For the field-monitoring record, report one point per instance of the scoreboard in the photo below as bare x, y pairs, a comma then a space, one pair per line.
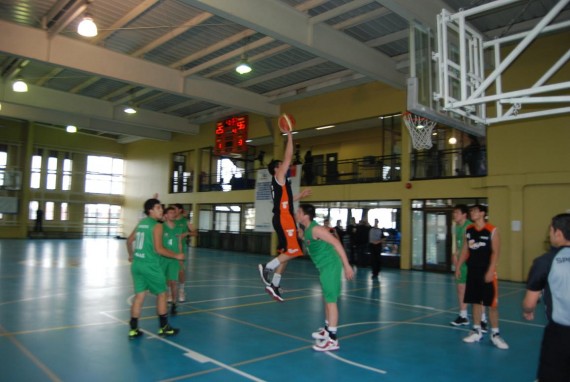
231, 134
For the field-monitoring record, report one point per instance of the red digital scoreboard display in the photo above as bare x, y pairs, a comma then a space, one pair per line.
231, 135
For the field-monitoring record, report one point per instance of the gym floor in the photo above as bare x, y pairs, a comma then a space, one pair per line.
64, 312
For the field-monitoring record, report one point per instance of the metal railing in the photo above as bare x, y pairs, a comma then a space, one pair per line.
369, 169
455, 163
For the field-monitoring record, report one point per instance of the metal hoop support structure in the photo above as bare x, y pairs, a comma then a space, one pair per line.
420, 129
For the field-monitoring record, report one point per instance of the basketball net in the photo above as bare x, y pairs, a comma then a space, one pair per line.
420, 129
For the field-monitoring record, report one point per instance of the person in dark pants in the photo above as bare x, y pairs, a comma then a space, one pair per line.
351, 232
39, 220
376, 241
550, 277
362, 230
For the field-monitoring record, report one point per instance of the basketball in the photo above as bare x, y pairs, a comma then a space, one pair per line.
286, 122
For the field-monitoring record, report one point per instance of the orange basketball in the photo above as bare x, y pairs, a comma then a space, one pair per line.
286, 122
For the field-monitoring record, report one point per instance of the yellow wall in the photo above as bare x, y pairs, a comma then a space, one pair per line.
29, 136
528, 179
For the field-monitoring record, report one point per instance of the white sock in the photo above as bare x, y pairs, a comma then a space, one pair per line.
495, 331
483, 317
273, 264
276, 279
180, 285
463, 313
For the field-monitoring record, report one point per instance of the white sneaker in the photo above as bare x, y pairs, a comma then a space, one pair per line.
327, 345
474, 336
181, 295
499, 342
320, 334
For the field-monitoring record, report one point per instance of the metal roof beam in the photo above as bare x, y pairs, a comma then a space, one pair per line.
284, 23
63, 51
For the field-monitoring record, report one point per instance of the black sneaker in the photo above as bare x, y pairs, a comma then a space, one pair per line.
484, 327
167, 331
274, 292
460, 321
173, 310
264, 273
135, 333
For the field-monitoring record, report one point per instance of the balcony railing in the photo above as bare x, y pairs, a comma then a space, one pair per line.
369, 169
456, 163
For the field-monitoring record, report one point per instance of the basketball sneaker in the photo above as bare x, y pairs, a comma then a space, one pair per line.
474, 336
274, 292
460, 321
320, 334
181, 295
134, 333
484, 327
327, 345
499, 342
264, 273
167, 331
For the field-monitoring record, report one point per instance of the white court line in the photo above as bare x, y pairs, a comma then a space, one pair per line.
380, 371
192, 354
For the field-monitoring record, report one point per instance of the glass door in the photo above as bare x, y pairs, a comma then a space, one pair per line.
432, 240
437, 241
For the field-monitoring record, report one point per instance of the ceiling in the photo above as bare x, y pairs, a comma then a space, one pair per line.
174, 60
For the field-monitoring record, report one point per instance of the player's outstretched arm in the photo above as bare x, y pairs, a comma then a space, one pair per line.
303, 194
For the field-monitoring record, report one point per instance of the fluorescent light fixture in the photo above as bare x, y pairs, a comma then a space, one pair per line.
452, 140
71, 129
87, 27
325, 127
293, 132
129, 110
248, 140
19, 86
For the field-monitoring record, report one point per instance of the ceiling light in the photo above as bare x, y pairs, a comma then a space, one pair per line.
20, 86
71, 129
87, 27
325, 127
452, 140
243, 66
129, 110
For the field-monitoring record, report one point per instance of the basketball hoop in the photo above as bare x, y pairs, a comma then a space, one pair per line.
420, 129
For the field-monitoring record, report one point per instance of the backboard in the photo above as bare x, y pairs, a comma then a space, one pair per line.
456, 72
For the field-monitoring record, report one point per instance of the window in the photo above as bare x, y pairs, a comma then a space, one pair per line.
104, 175
3, 163
66, 176
49, 210
102, 220
226, 170
64, 214
33, 209
36, 170
51, 180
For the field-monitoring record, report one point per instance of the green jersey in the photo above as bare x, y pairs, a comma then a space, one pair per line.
459, 235
321, 252
182, 227
144, 247
170, 237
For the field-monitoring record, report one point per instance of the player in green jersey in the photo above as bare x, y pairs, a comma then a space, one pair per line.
145, 248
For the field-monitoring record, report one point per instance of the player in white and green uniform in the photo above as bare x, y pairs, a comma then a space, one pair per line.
327, 253
172, 240
145, 269
185, 229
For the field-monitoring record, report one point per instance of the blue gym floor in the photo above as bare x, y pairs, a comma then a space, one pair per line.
64, 311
